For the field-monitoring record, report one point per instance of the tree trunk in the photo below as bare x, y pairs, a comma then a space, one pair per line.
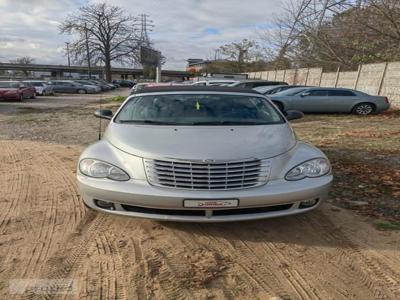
108, 70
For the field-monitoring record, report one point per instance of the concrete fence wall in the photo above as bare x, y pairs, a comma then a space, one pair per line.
375, 79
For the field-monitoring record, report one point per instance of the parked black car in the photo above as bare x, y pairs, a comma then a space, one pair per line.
124, 83
251, 84
273, 89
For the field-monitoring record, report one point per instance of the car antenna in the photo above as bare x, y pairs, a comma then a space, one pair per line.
101, 99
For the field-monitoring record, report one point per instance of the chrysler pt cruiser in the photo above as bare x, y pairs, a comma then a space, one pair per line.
201, 154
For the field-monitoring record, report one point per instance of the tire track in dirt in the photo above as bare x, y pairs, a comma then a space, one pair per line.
18, 187
377, 276
162, 268
41, 194
252, 272
76, 246
260, 272
141, 290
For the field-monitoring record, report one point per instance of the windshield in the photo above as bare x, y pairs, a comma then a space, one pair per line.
9, 84
263, 89
291, 92
199, 109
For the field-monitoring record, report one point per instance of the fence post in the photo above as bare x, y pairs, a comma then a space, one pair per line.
337, 76
382, 78
358, 76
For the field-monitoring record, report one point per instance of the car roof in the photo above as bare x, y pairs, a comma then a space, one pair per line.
257, 80
190, 88
328, 88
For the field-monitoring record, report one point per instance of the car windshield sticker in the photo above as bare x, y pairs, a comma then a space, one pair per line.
197, 105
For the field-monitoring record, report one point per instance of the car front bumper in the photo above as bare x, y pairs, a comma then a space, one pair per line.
138, 198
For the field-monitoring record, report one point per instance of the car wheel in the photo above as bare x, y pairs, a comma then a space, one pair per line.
81, 91
364, 109
278, 105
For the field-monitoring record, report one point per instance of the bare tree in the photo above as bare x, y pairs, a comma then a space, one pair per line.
25, 60
104, 34
240, 52
300, 32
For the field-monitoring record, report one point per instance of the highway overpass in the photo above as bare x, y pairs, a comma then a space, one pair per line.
60, 71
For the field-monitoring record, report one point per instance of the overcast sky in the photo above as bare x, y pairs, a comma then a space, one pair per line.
184, 28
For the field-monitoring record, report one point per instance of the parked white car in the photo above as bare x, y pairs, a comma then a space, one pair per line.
203, 154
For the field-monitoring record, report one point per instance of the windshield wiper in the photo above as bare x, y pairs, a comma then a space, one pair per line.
226, 123
148, 122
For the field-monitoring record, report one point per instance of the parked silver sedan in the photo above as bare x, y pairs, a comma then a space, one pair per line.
330, 100
202, 154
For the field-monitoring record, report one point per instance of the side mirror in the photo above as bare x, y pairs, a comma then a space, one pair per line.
293, 115
103, 114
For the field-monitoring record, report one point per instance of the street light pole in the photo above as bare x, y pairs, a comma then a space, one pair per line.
88, 53
69, 60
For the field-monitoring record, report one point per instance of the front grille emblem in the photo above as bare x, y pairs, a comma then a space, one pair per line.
208, 161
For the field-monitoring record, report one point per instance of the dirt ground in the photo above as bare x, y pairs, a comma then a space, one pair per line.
330, 253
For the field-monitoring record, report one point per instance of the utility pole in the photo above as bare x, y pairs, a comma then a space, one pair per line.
69, 60
88, 53
146, 26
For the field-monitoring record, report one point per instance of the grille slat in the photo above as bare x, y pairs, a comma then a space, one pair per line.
207, 176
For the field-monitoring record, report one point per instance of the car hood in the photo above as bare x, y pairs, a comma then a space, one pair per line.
201, 142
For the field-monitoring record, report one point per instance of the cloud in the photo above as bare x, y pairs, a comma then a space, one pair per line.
183, 28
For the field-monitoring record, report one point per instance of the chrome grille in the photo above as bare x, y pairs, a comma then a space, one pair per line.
195, 175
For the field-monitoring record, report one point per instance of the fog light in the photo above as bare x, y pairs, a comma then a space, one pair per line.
308, 203
105, 204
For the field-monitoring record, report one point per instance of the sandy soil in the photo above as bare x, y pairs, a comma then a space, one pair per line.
47, 233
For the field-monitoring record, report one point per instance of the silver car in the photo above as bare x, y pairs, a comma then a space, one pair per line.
330, 100
202, 154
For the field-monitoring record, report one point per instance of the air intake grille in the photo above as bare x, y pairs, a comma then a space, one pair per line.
194, 175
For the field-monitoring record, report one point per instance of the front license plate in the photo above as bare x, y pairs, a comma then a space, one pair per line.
211, 203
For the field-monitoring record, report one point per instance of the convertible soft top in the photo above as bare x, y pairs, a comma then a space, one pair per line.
189, 88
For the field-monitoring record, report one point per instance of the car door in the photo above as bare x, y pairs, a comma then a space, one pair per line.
69, 87
341, 100
313, 100
57, 87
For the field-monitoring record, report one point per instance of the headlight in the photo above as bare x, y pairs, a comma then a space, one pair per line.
311, 168
100, 169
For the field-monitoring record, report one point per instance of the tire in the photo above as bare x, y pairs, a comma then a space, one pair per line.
278, 105
363, 109
80, 91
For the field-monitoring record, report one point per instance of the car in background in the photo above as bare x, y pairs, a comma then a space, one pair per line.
142, 85
41, 87
70, 86
28, 91
201, 154
124, 83
10, 91
105, 83
138, 87
251, 84
214, 82
329, 100
272, 89
90, 84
